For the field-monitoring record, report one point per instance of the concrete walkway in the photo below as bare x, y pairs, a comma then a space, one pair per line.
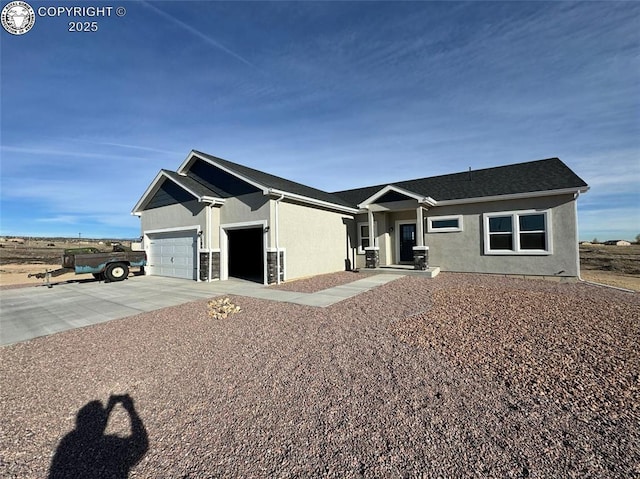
27, 313
322, 299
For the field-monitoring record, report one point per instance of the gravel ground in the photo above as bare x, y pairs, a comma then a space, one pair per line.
461, 376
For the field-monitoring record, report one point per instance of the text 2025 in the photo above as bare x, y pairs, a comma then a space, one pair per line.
83, 26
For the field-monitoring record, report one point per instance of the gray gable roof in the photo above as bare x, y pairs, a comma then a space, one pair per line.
529, 177
521, 178
271, 181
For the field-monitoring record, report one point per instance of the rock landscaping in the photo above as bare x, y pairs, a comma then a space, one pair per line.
460, 376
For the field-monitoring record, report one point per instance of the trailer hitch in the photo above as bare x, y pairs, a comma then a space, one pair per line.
47, 275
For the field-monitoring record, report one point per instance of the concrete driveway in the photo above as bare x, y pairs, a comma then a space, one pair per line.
27, 313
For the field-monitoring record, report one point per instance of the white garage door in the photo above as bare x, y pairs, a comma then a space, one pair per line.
173, 254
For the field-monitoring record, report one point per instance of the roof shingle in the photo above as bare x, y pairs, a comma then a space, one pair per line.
276, 182
529, 177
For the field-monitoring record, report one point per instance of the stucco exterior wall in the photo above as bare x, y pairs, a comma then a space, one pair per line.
245, 208
319, 241
315, 240
464, 251
384, 238
214, 227
174, 216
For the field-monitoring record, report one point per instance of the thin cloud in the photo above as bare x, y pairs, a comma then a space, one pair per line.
199, 34
64, 219
66, 153
125, 145
620, 175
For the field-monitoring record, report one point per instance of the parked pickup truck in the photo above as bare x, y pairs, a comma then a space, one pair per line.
112, 266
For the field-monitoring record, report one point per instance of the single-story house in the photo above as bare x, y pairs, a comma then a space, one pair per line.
213, 219
617, 243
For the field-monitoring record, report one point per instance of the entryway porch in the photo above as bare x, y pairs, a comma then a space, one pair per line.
408, 269
392, 235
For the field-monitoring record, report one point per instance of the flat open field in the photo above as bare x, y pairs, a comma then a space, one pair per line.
47, 250
613, 265
17, 260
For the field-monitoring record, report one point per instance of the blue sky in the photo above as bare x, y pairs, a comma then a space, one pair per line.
335, 95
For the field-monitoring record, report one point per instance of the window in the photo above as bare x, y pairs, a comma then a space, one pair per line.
501, 233
363, 236
517, 232
444, 224
532, 232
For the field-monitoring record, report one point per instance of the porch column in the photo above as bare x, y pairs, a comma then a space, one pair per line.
420, 251
372, 236
372, 253
419, 227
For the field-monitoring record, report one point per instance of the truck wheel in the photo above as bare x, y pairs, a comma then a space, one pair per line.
116, 271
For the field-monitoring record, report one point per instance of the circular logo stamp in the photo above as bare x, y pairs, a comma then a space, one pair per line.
18, 17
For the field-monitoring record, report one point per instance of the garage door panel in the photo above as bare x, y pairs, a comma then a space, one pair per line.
173, 254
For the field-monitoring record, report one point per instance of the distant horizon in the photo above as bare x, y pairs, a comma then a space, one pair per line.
71, 238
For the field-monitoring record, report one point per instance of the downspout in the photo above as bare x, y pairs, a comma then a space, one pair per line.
209, 242
278, 238
575, 212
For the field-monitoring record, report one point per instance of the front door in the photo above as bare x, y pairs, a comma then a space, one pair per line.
407, 242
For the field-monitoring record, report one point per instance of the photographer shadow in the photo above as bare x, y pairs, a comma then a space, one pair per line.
88, 452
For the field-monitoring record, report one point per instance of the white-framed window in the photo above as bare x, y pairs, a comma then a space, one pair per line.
444, 224
363, 236
518, 232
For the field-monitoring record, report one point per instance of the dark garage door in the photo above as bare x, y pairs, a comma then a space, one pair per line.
246, 255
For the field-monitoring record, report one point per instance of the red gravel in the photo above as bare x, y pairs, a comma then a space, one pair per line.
460, 376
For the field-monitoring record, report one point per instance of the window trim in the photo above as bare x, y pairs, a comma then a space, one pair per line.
515, 233
432, 229
360, 237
